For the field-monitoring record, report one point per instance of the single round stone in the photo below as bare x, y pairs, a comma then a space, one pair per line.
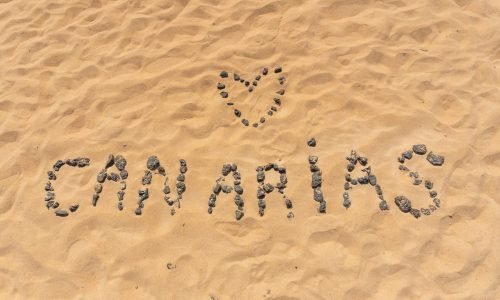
221, 86
435, 159
311, 142
153, 163
245, 122
419, 149
237, 113
403, 203
223, 74
224, 94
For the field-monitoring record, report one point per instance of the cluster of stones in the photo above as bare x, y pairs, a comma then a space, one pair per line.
370, 178
120, 163
50, 196
316, 183
221, 186
404, 203
277, 100
266, 188
153, 165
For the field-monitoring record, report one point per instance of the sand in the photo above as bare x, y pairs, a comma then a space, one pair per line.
138, 78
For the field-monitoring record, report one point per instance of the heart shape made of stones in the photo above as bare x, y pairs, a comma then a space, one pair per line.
250, 86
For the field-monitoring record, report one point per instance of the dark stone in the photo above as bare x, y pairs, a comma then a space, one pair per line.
255, 125
247, 83
74, 208
313, 159
425, 211
183, 169
120, 206
238, 189
114, 177
373, 179
420, 149
52, 175
236, 77
48, 186
245, 122
50, 196
347, 201
311, 142
277, 100
211, 200
347, 186
120, 162
403, 168
261, 176
153, 163
223, 74
435, 159
429, 184
82, 162
403, 203
224, 94
110, 162
350, 167
255, 82
260, 193
318, 195
238, 214
221, 86
278, 70
281, 80
61, 213
383, 205
181, 177
265, 71
401, 159
250, 89
322, 207
138, 211
55, 205
148, 176
417, 181
407, 154
437, 202
49, 204
270, 113
123, 174
290, 215
433, 194
98, 188
101, 176
281, 92
268, 188
166, 190
57, 166
226, 169
210, 210
354, 181
363, 180
262, 120
120, 195
181, 187
227, 189
95, 198
274, 108
415, 213
237, 113
288, 203
378, 189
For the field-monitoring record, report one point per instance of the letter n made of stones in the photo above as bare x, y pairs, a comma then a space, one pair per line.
154, 167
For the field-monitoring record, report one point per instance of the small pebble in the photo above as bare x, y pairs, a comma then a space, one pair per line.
420, 149
435, 159
224, 94
278, 70
311, 142
223, 74
61, 213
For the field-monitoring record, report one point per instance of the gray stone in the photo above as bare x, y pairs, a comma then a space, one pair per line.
415, 213
221, 86
181, 187
227, 189
268, 188
101, 176
110, 162
245, 122
98, 188
74, 208
419, 149
383, 205
425, 211
318, 195
429, 185
123, 174
403, 203
322, 207
408, 154
166, 189
433, 194
181, 177
347, 186
224, 94
57, 166
350, 167
120, 195
261, 176
437, 202
238, 214
223, 74
435, 159
61, 213
403, 168
226, 169
120, 206
114, 177
260, 193
120, 162
236, 77
153, 163
138, 211
238, 189
313, 159
55, 205
316, 180
148, 176
288, 203
311, 142
95, 198
363, 160
52, 175
372, 179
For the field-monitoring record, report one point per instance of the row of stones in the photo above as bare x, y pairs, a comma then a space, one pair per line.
316, 182
120, 163
370, 178
50, 196
404, 203
266, 188
153, 165
221, 186
277, 100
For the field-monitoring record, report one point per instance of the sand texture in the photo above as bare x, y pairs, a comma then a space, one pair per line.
138, 78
